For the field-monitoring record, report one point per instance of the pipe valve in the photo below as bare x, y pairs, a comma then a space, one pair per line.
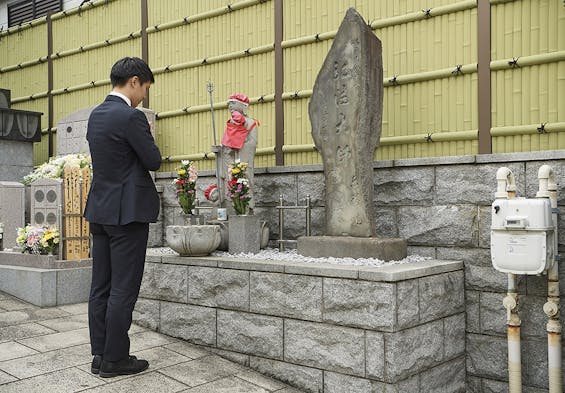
550, 309
509, 302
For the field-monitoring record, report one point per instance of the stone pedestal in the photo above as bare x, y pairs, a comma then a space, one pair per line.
392, 249
244, 234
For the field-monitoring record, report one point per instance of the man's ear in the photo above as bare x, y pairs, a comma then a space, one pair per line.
133, 80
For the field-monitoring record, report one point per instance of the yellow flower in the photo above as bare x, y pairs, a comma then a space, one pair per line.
235, 171
181, 172
48, 236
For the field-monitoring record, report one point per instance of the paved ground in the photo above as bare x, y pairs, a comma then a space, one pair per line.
46, 350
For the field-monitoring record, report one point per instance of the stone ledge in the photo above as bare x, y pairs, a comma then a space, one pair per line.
41, 261
407, 271
387, 273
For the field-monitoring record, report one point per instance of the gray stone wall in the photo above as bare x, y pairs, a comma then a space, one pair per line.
441, 206
320, 328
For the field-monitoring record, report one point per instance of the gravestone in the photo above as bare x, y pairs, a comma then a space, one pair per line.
346, 114
12, 208
18, 130
71, 131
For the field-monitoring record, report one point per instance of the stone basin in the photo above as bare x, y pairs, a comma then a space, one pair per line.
193, 240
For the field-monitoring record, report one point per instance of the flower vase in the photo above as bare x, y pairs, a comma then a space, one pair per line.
193, 240
244, 234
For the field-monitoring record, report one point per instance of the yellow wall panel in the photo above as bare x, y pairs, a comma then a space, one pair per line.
111, 20
25, 82
527, 27
94, 65
65, 104
29, 44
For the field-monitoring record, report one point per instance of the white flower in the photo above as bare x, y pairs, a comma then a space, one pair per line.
185, 162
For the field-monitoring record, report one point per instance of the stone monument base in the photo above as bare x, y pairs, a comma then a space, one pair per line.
386, 249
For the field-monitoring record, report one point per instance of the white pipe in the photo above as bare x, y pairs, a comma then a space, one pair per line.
547, 182
513, 323
506, 189
506, 183
548, 189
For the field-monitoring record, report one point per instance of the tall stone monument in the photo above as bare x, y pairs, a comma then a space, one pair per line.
346, 114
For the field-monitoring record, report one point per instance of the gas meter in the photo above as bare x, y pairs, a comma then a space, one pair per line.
522, 233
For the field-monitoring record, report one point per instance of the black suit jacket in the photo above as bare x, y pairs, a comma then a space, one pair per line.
123, 152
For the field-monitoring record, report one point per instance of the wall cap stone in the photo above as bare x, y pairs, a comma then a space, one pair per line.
388, 273
545, 155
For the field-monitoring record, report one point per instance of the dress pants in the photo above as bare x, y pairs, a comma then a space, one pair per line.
118, 259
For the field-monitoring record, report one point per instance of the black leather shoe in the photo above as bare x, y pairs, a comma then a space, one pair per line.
128, 366
95, 366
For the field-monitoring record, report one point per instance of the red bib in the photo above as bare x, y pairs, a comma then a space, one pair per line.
234, 135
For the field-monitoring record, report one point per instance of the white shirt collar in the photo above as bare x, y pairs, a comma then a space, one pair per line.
123, 97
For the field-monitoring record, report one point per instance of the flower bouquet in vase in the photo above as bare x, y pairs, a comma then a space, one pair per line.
185, 186
38, 240
238, 187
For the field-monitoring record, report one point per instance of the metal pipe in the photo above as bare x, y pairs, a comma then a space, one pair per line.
548, 189
506, 189
513, 322
308, 215
281, 223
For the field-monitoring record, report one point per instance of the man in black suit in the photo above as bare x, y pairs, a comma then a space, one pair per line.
121, 204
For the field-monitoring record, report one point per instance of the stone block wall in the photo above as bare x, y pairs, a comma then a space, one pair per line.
442, 207
320, 328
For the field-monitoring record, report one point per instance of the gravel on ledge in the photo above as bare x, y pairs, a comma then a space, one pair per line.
274, 254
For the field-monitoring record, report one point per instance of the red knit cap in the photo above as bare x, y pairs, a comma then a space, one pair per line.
241, 98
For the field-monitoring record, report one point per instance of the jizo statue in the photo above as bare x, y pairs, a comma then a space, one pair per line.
239, 140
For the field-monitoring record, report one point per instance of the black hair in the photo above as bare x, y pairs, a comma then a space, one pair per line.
129, 67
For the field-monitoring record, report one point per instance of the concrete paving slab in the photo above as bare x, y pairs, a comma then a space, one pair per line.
228, 385
65, 366
201, 371
64, 381
5, 378
75, 309
4, 296
260, 380
16, 304
65, 324
136, 329
148, 339
12, 350
144, 383
43, 363
25, 330
189, 350
30, 315
51, 342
